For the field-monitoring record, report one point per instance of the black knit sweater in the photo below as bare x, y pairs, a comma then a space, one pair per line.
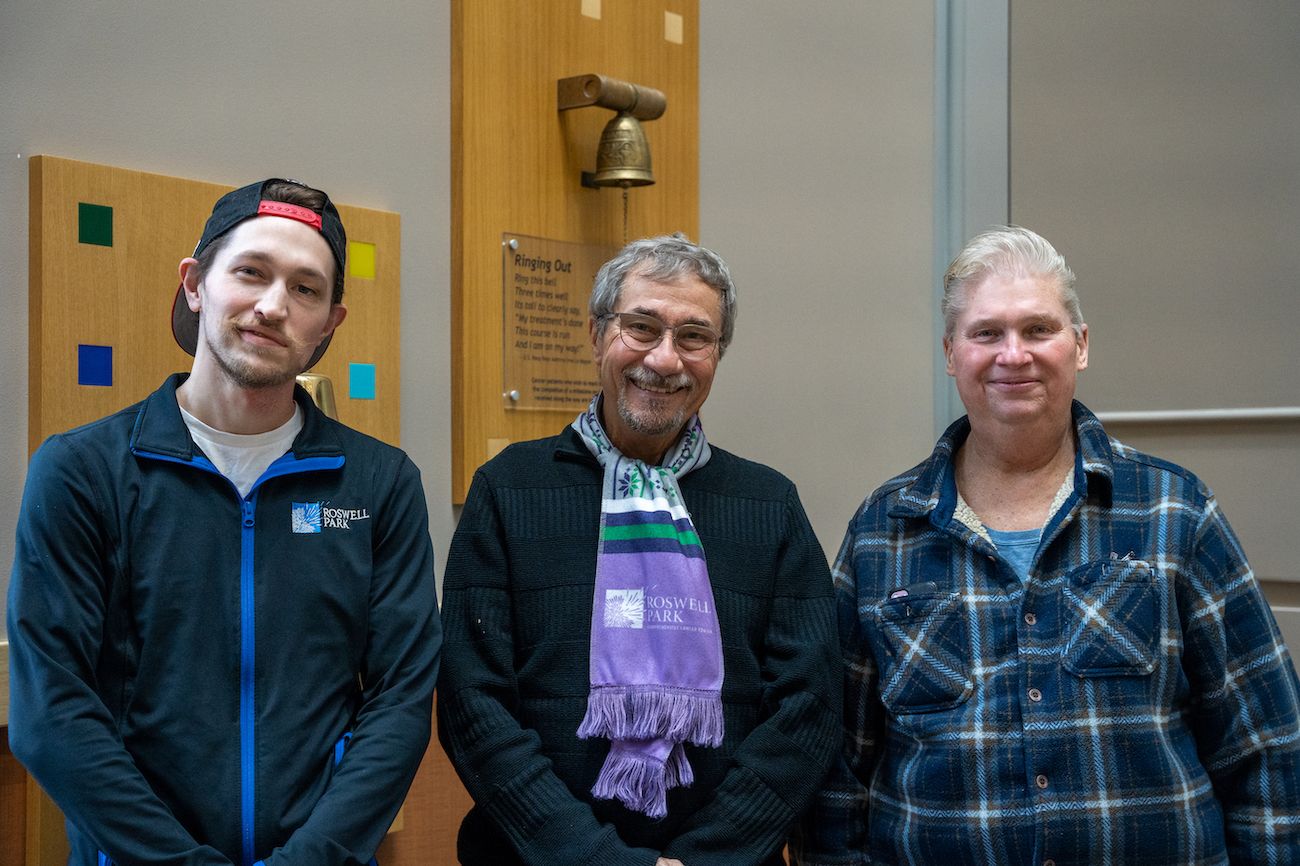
517, 625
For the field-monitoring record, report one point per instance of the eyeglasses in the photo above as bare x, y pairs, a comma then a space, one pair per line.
641, 333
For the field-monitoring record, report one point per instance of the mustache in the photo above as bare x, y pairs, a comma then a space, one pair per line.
650, 379
276, 332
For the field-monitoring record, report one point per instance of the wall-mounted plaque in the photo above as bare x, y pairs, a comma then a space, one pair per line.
545, 285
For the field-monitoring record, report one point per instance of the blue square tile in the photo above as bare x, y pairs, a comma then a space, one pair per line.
94, 365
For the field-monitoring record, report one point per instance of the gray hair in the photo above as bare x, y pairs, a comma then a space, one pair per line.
1007, 251
666, 258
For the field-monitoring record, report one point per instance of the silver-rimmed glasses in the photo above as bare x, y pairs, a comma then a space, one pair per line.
641, 333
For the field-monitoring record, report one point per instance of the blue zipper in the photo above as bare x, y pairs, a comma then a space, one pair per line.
247, 658
285, 465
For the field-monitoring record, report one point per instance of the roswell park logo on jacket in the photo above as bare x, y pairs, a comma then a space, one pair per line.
311, 517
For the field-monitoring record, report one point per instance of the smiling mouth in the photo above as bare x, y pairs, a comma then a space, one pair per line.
646, 381
651, 389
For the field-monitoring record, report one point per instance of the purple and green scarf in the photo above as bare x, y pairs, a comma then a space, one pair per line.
656, 651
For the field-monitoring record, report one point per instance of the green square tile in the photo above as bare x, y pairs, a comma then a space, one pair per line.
95, 224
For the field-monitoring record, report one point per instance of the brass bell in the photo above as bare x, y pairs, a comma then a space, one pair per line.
321, 390
623, 156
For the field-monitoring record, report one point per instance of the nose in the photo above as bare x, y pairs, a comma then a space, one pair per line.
663, 359
273, 305
1013, 352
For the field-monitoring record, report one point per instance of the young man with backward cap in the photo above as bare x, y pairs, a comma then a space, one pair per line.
223, 627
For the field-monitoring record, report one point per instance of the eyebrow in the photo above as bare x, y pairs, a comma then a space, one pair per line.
1031, 319
645, 311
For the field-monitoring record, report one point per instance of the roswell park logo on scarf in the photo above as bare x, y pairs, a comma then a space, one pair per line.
632, 608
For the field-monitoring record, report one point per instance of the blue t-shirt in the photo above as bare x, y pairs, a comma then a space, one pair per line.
1017, 547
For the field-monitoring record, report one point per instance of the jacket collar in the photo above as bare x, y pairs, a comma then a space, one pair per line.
933, 487
160, 429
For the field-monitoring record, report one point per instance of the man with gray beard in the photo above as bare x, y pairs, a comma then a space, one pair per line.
640, 657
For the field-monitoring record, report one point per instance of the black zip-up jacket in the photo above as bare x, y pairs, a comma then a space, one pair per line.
183, 662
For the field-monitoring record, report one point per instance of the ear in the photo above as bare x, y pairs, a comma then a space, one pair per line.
1082, 342
189, 274
338, 312
594, 334
947, 355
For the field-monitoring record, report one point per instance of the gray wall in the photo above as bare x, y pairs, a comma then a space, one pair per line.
815, 184
1158, 144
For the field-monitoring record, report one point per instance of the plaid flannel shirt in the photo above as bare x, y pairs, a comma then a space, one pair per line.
1131, 702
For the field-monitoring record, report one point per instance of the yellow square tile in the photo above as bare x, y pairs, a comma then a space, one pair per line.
361, 260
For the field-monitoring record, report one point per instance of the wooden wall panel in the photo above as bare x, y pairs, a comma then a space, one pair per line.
516, 165
121, 295
13, 805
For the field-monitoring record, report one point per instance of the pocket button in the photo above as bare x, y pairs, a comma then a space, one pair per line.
1035, 695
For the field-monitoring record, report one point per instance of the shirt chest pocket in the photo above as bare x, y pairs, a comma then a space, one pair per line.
923, 652
1110, 617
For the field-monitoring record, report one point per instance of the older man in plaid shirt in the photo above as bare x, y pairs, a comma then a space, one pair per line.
1056, 652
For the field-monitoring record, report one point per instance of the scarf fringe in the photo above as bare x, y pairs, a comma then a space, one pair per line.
678, 769
653, 712
640, 782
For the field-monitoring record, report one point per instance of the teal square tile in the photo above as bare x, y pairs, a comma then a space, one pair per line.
95, 224
361, 381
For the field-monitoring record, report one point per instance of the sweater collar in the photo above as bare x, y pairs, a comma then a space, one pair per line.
569, 446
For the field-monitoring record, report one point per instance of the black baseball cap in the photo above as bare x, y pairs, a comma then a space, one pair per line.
231, 210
